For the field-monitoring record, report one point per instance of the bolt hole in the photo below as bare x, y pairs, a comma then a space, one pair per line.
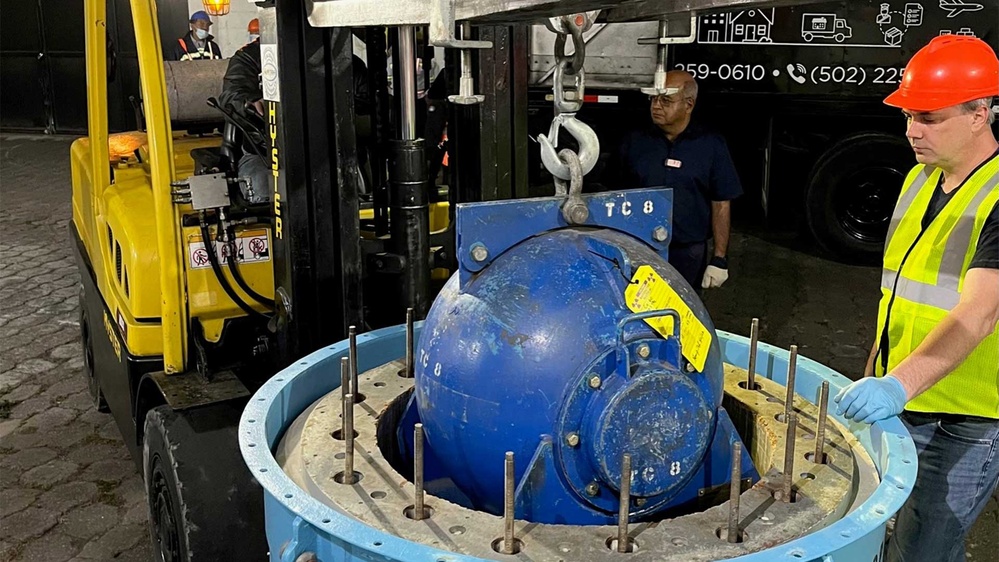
326, 520
745, 384
339, 477
377, 543
612, 545
808, 436
340, 456
457, 530
379, 384
251, 421
722, 533
565, 548
498, 545
378, 495
767, 518
779, 495
797, 553
410, 512
279, 380
403, 374
807, 476
679, 542
879, 511
773, 399
288, 496
810, 457
899, 486
845, 534
781, 418
359, 397
251, 444
338, 434
906, 461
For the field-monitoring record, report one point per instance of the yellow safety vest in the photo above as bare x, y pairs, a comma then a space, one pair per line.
921, 282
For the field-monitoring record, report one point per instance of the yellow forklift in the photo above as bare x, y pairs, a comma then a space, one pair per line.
172, 341
178, 317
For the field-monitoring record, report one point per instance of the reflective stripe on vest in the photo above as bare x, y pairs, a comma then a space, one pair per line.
922, 279
207, 53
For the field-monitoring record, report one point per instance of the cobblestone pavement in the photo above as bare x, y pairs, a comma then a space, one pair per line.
68, 489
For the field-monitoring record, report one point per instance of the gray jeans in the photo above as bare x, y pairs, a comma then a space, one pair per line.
958, 471
261, 181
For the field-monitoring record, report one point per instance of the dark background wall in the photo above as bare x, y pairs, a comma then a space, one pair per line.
43, 73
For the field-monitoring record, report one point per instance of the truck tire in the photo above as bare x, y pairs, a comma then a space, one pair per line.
203, 503
89, 370
852, 192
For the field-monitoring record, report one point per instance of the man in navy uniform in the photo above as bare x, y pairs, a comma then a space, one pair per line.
673, 152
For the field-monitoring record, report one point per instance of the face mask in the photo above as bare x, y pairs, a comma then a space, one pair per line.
200, 33
253, 37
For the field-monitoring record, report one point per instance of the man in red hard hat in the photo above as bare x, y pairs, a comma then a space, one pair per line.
935, 360
253, 30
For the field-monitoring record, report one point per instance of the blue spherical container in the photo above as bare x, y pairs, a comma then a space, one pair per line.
534, 345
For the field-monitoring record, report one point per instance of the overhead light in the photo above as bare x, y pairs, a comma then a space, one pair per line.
216, 7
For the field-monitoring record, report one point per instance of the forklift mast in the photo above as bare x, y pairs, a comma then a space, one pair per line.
310, 115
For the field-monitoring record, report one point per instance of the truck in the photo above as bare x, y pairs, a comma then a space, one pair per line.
824, 26
816, 149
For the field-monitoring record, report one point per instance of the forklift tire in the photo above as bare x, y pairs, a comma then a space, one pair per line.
86, 339
852, 193
203, 503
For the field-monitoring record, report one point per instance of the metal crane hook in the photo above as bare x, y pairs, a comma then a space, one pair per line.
589, 146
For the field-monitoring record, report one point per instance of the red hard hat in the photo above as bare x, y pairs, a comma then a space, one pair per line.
253, 26
951, 69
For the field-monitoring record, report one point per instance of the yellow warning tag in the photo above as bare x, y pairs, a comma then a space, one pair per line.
649, 291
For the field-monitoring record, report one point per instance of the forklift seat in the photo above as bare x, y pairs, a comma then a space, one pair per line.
208, 160
224, 158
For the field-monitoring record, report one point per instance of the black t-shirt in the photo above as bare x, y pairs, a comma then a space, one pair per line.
987, 252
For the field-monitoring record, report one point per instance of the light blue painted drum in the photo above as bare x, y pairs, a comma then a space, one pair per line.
299, 523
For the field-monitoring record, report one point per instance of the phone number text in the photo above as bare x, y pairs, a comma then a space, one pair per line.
824, 74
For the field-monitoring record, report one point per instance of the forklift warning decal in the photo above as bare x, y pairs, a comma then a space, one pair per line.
649, 291
251, 247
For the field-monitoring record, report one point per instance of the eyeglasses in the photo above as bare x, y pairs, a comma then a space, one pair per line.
664, 100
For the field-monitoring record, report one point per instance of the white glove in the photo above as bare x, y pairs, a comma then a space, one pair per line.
715, 275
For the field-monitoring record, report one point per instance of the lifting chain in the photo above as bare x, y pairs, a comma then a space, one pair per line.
568, 101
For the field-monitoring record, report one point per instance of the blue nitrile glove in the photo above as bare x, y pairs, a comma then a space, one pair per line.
872, 399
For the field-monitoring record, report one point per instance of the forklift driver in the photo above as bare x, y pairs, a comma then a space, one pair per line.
243, 95
242, 100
